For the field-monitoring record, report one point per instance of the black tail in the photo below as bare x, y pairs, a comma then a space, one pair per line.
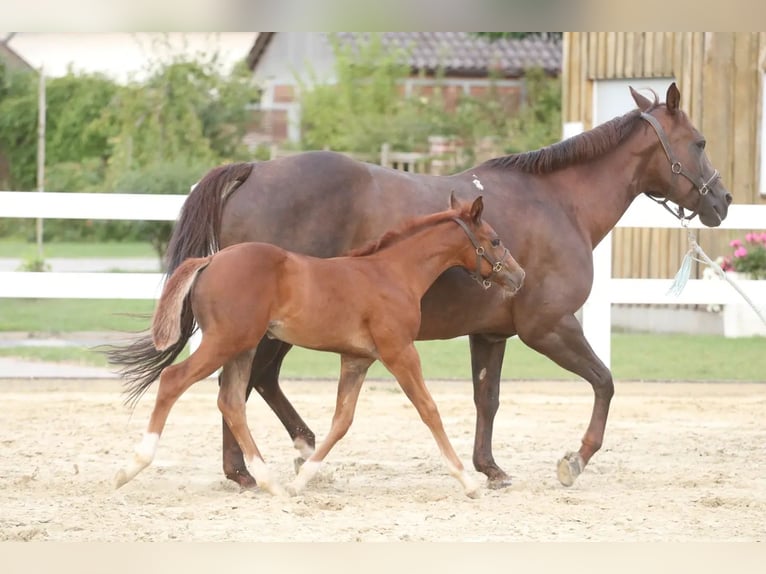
195, 234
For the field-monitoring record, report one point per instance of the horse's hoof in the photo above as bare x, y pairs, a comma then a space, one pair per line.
569, 468
120, 479
291, 490
298, 463
473, 493
499, 482
243, 478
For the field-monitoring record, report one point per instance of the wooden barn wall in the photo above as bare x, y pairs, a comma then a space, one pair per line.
719, 76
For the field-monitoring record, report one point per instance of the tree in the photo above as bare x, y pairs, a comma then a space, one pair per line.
156, 136
365, 107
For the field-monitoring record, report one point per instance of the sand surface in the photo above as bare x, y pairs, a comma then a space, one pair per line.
681, 462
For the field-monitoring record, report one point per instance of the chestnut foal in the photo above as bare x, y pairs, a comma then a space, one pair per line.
364, 306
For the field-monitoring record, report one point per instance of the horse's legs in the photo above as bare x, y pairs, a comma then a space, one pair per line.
174, 380
264, 377
352, 373
566, 345
405, 366
231, 402
486, 364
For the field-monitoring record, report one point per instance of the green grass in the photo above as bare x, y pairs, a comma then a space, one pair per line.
68, 315
23, 250
634, 357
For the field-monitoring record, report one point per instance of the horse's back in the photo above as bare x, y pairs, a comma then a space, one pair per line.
324, 203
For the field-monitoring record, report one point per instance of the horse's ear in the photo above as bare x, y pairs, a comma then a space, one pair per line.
642, 102
453, 202
476, 210
673, 98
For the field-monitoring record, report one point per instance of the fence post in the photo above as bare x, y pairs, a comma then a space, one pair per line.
384, 151
597, 310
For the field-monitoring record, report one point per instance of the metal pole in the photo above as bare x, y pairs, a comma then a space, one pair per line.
40, 157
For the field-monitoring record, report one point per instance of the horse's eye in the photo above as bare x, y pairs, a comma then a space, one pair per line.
495, 242
701, 144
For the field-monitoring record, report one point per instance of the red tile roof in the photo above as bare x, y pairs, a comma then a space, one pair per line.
458, 53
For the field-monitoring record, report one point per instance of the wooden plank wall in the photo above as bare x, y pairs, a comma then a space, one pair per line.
719, 75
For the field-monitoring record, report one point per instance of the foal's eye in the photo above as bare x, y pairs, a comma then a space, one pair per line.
495, 242
701, 144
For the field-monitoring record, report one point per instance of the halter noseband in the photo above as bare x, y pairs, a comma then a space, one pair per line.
497, 265
677, 168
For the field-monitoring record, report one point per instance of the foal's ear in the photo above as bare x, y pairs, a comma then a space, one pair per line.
453, 202
673, 98
476, 210
642, 102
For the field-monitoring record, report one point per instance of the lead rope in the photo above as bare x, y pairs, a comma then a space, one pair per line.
695, 253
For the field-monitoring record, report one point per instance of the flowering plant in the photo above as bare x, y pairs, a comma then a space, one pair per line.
748, 257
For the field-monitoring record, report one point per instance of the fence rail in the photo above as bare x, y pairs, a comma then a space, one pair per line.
596, 312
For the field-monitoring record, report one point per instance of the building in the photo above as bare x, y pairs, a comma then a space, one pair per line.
721, 79
466, 61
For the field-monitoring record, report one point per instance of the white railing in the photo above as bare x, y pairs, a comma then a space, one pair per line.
596, 312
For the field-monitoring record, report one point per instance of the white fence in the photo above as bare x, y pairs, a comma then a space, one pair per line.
596, 312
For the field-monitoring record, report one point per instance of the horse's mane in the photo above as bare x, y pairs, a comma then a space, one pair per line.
577, 149
406, 229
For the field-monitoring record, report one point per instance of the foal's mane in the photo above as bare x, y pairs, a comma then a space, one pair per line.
407, 228
577, 149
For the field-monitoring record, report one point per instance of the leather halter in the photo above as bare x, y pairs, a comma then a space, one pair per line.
677, 168
497, 265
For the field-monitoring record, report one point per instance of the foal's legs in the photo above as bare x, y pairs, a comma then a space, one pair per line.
231, 402
405, 366
352, 373
174, 381
264, 377
567, 346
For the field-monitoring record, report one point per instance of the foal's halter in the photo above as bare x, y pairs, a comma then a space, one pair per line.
497, 265
677, 168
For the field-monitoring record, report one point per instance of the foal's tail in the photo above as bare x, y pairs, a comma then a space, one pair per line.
196, 234
166, 323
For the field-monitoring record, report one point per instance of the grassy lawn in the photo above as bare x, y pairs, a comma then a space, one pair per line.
634, 357
23, 250
68, 315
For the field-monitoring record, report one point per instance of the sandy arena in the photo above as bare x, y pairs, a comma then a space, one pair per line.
681, 462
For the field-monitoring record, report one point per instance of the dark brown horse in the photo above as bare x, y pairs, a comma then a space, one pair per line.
366, 307
551, 207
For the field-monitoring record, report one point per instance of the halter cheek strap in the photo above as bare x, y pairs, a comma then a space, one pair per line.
481, 253
677, 168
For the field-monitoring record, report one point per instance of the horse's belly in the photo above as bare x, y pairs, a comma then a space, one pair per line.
324, 336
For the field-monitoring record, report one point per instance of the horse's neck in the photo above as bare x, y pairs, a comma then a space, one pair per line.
425, 255
601, 190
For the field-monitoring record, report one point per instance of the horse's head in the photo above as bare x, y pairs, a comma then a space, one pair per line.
486, 255
682, 172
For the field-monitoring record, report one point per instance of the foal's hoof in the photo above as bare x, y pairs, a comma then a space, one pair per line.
569, 468
473, 493
120, 479
298, 463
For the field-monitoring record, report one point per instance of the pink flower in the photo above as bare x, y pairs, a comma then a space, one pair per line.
740, 252
735, 243
726, 264
763, 238
752, 237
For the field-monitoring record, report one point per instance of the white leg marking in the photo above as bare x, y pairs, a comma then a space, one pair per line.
142, 457
482, 374
470, 486
305, 474
263, 477
302, 447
